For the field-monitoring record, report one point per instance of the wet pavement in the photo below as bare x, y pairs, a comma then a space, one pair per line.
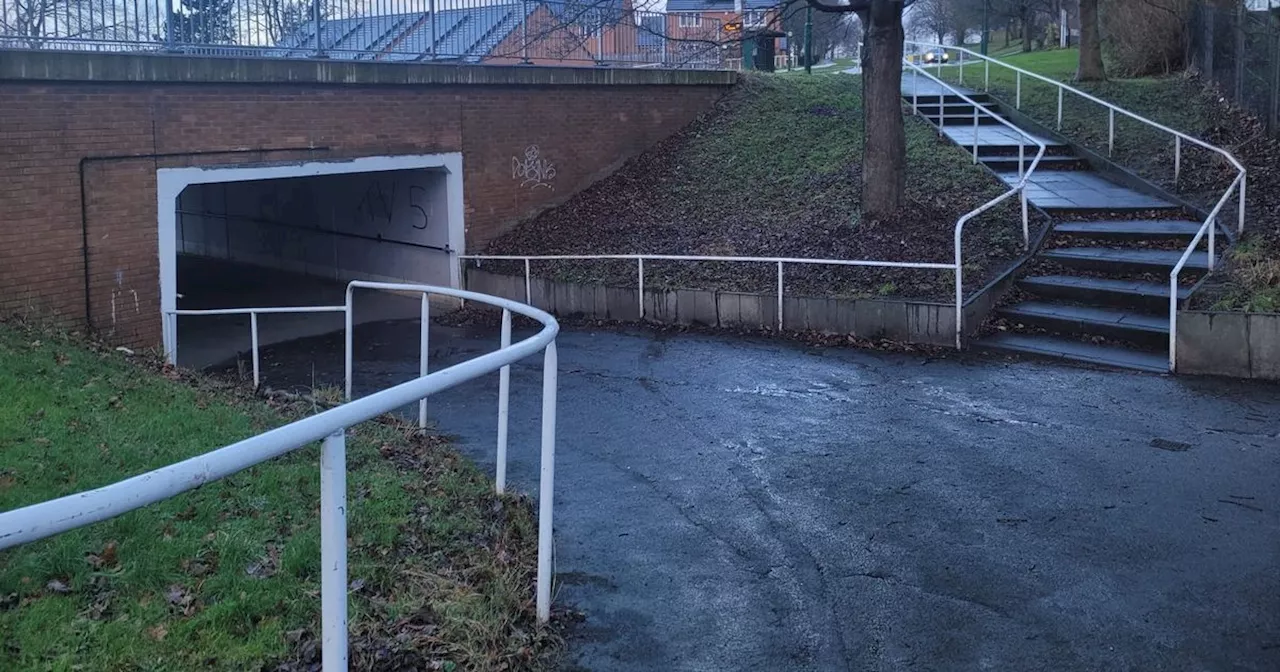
727, 504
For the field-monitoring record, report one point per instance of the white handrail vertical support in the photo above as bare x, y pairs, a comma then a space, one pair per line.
959, 288
333, 551
1059, 108
1026, 220
1173, 320
504, 406
1213, 227
546, 482
1022, 160
528, 293
1177, 160
986, 78
1111, 132
640, 285
962, 68
349, 339
975, 135
1018, 91
915, 93
423, 349
173, 338
1243, 180
253, 344
779, 296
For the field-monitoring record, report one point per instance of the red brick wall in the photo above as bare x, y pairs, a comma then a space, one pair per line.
49, 131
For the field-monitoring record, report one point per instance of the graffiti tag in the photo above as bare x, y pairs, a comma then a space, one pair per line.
533, 171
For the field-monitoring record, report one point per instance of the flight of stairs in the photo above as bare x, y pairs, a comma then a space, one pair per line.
1097, 291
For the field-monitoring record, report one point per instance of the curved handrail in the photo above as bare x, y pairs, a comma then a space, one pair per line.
48, 518
1020, 188
1238, 184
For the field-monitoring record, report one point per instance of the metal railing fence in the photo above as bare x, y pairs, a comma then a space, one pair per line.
30, 523
1210, 225
543, 32
956, 265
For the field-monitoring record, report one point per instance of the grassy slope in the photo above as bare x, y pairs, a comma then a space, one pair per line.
1180, 102
225, 577
776, 172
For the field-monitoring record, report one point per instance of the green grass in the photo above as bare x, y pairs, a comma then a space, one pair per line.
225, 577
776, 171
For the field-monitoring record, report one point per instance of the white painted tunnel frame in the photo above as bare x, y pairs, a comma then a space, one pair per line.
170, 182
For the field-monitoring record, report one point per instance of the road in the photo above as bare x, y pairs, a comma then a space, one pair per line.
726, 504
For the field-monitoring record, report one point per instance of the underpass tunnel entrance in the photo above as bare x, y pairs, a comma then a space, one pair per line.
295, 235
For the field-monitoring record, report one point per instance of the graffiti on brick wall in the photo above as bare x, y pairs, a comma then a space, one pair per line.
533, 170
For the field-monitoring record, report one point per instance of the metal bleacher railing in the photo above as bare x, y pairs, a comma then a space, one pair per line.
539, 32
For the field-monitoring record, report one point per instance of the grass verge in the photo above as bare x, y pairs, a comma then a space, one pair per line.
226, 576
776, 171
1251, 281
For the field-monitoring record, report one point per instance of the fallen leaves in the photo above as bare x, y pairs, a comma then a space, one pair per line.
106, 559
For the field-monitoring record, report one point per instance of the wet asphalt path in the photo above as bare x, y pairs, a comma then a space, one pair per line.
742, 505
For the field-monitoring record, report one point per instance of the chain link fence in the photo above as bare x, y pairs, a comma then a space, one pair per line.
1236, 45
539, 32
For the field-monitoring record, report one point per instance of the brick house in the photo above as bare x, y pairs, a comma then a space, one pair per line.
690, 21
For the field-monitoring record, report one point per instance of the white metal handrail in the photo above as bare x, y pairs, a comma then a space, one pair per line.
253, 314
1238, 185
38, 521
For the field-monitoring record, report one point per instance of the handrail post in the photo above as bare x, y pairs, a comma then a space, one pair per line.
253, 339
1173, 320
779, 297
424, 348
1111, 132
959, 287
1026, 221
1177, 160
975, 135
504, 406
546, 482
961, 68
1213, 226
333, 551
1018, 91
986, 78
349, 339
1022, 160
1243, 179
1060, 108
915, 92
640, 277
528, 293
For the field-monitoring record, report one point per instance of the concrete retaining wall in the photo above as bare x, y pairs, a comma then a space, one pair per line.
907, 321
1241, 345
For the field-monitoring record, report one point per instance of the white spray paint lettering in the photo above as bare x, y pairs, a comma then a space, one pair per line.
533, 171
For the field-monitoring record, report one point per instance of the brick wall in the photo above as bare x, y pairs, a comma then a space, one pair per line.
59, 137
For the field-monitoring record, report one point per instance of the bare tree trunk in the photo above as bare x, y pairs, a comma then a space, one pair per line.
1090, 68
1026, 29
884, 156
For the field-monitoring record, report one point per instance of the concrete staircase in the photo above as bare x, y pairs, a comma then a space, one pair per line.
1097, 291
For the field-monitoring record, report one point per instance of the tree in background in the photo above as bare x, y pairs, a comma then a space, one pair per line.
204, 22
829, 30
884, 154
279, 19
1090, 68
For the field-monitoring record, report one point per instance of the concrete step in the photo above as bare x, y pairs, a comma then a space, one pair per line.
1089, 353
1137, 327
1140, 229
952, 108
1121, 260
948, 99
1152, 296
1010, 163
986, 151
962, 119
